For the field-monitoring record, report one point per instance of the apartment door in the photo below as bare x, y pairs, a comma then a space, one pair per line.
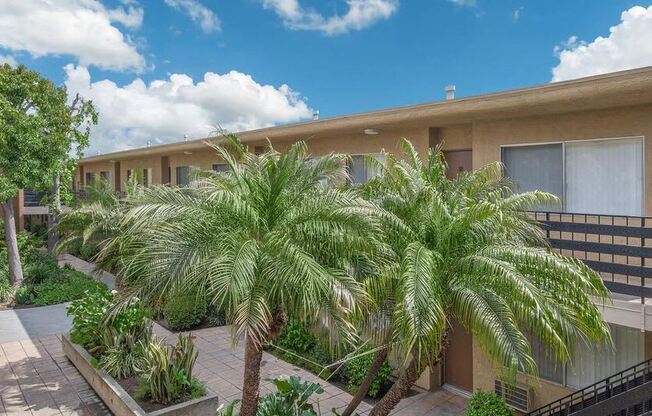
458, 161
458, 362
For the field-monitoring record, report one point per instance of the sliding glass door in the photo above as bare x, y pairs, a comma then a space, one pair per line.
593, 177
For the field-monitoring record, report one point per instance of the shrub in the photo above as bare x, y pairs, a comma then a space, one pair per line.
291, 399
296, 338
185, 311
125, 358
6, 289
216, 316
487, 404
168, 377
39, 267
356, 369
24, 296
71, 285
87, 313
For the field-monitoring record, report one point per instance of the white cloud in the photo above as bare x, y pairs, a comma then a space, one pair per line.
516, 14
469, 3
8, 59
360, 14
200, 14
165, 110
81, 28
629, 45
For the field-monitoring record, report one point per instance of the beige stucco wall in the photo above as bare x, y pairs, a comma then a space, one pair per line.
623, 122
96, 168
484, 376
138, 165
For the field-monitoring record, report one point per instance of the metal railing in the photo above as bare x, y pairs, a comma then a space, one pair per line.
626, 393
617, 247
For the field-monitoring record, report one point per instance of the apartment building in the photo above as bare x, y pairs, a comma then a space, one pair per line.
587, 141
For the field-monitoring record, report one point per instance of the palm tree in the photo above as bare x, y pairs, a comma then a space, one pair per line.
467, 251
266, 241
95, 218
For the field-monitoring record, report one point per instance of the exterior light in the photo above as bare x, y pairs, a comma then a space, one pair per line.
187, 152
371, 132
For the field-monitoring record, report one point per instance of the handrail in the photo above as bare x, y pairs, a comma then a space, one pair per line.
577, 400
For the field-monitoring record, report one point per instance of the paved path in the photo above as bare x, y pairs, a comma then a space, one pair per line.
33, 323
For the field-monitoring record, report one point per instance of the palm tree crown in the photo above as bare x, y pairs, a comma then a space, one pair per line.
467, 250
265, 240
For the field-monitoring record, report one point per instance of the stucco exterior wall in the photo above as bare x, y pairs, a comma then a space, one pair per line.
153, 163
484, 376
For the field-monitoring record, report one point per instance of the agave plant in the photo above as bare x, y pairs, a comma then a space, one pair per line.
265, 241
467, 250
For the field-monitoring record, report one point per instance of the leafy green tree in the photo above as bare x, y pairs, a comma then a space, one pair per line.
265, 241
466, 250
39, 129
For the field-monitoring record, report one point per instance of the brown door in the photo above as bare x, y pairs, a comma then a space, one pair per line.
458, 161
458, 363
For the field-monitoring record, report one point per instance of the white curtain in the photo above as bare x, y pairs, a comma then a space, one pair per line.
591, 364
605, 177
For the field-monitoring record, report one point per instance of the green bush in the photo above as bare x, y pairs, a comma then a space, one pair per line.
39, 267
356, 369
291, 399
6, 289
87, 315
185, 311
484, 403
70, 286
24, 296
216, 316
296, 338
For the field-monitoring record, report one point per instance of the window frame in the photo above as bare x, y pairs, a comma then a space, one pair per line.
364, 155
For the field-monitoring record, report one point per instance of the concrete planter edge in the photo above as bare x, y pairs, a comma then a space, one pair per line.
118, 400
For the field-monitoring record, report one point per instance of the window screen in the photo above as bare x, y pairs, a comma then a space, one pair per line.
221, 167
537, 167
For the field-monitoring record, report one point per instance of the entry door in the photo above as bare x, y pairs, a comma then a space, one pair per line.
458, 161
458, 363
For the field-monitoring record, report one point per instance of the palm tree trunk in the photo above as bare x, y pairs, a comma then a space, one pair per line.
379, 359
15, 269
253, 357
250, 385
397, 392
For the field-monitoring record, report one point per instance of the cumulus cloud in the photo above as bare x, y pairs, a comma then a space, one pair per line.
80, 28
200, 14
8, 59
165, 110
359, 15
629, 45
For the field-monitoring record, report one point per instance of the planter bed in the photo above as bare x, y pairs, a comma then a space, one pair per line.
119, 401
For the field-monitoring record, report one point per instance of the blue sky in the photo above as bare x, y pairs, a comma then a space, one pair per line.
386, 53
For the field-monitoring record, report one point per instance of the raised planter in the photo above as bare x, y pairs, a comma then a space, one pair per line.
118, 400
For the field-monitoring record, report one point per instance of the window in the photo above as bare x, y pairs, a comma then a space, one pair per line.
147, 177
129, 173
591, 364
259, 150
361, 170
106, 176
592, 177
183, 175
220, 167
90, 178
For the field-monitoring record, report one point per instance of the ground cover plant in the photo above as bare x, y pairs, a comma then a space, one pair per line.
44, 281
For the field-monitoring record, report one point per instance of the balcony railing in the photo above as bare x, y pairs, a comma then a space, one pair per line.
618, 247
